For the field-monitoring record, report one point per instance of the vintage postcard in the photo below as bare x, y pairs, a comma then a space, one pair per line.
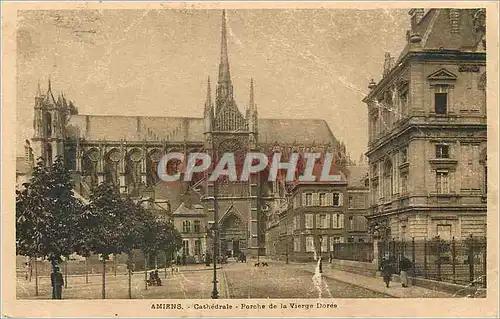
250, 159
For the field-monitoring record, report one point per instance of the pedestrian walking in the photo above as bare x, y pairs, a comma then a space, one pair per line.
183, 260
57, 281
387, 270
404, 266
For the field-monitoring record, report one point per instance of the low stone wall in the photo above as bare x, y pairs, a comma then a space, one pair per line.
356, 267
370, 270
454, 289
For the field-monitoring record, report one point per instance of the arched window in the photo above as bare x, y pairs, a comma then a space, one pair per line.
133, 169
388, 180
89, 167
111, 167
48, 124
152, 167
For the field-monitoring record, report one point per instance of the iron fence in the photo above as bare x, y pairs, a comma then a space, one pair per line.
456, 261
353, 251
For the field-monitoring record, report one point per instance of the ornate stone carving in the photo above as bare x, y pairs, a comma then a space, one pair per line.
469, 68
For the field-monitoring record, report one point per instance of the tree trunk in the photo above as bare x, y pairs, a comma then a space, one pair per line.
130, 275
66, 273
114, 263
36, 276
166, 264
146, 271
103, 277
31, 268
86, 271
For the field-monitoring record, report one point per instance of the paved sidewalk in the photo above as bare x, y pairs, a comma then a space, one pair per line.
376, 284
373, 283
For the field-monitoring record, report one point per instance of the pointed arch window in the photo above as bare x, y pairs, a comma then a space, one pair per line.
48, 124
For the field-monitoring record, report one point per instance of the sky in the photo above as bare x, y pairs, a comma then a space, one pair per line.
304, 63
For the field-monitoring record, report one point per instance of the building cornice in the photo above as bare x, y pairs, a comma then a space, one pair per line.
410, 124
422, 56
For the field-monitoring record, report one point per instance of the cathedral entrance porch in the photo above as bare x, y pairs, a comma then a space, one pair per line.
233, 236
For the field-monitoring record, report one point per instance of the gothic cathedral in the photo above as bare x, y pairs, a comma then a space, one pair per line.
126, 150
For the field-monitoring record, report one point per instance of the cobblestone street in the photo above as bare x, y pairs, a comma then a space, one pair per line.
236, 280
288, 281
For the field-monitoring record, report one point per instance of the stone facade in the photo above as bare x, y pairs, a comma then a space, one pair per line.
427, 126
357, 204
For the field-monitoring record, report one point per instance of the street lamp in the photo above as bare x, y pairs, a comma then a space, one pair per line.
320, 257
214, 231
287, 240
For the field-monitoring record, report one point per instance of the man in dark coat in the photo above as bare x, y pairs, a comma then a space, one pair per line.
404, 266
387, 270
57, 281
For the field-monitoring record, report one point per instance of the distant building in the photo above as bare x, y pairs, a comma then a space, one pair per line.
357, 203
191, 222
427, 130
319, 215
24, 166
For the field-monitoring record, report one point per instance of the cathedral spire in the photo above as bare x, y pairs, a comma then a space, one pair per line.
224, 87
208, 101
251, 103
252, 110
50, 96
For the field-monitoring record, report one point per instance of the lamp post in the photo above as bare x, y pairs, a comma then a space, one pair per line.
320, 257
215, 235
287, 251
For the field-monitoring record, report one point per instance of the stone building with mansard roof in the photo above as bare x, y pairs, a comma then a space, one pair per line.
427, 130
126, 150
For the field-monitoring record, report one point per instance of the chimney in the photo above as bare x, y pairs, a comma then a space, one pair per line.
416, 15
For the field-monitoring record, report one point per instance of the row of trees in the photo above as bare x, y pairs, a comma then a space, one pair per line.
52, 223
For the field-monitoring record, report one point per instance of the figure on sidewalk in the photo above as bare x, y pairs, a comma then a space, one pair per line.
387, 270
207, 259
183, 259
57, 281
404, 266
157, 278
178, 260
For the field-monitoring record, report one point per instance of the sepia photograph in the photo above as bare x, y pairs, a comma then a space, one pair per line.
250, 160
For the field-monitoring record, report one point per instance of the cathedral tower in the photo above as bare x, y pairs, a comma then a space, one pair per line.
232, 132
49, 124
